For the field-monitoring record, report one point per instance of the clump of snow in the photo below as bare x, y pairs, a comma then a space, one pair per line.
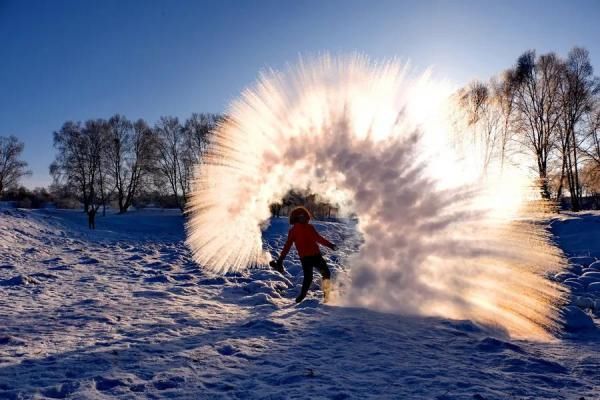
595, 266
562, 276
576, 319
594, 287
577, 269
584, 261
583, 302
574, 285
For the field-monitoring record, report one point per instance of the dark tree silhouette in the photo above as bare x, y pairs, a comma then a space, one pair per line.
576, 89
179, 148
128, 154
537, 106
78, 163
170, 157
12, 168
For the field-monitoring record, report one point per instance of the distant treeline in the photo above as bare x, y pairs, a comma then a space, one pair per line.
120, 163
113, 162
319, 207
123, 162
543, 112
57, 196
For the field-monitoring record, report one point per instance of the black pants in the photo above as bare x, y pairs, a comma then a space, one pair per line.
308, 263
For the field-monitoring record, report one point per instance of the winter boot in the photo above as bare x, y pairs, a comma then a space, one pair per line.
326, 290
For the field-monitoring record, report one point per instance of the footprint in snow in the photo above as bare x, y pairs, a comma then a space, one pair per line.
265, 325
310, 303
20, 280
87, 302
227, 350
152, 294
52, 260
104, 384
492, 345
158, 279
61, 391
88, 261
43, 275
138, 388
159, 265
216, 281
170, 383
258, 299
11, 340
59, 268
182, 277
533, 364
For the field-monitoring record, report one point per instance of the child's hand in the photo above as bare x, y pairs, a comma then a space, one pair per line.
277, 266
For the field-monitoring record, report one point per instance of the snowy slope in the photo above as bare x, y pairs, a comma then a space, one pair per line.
123, 312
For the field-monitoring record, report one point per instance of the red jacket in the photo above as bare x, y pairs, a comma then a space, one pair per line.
305, 237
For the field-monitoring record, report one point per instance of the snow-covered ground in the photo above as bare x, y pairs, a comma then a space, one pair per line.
124, 312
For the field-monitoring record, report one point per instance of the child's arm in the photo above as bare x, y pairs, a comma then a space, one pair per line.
286, 247
320, 239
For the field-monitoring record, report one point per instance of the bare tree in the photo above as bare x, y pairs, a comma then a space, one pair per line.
537, 108
542, 106
170, 157
12, 168
577, 86
197, 130
98, 131
129, 151
78, 163
484, 117
179, 148
592, 127
590, 181
504, 96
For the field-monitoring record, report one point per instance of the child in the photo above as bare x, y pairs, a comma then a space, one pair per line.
306, 237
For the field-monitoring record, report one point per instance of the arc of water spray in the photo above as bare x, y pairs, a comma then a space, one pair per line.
438, 238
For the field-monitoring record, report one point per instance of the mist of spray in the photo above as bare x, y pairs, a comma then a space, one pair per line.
439, 238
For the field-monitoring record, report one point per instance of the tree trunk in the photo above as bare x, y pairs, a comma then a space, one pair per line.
544, 189
576, 184
122, 204
562, 178
575, 204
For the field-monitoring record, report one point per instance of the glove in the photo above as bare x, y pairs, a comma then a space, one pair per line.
277, 266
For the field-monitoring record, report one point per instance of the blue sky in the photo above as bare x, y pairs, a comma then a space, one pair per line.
62, 60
